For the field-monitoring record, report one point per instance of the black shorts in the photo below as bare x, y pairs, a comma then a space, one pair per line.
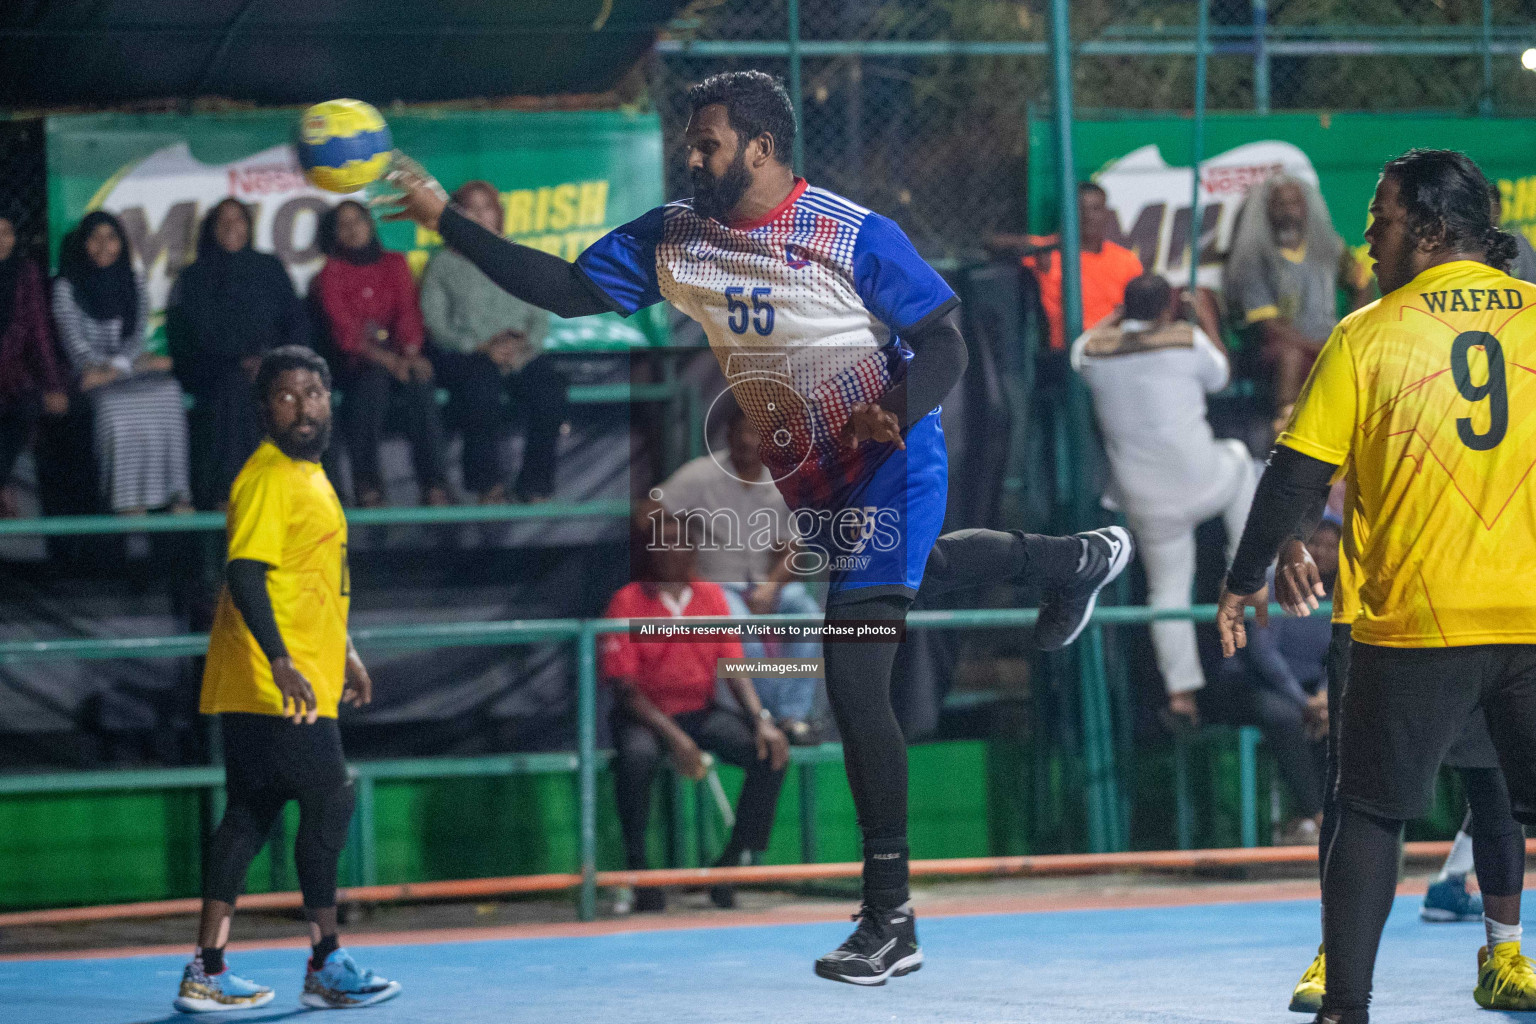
268, 754
1406, 711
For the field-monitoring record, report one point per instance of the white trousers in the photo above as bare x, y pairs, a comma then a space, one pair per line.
1167, 547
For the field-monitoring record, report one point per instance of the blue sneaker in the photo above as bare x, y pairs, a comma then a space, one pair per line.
206, 993
1450, 901
340, 985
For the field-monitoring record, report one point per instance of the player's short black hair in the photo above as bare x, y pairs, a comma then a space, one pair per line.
1446, 199
1147, 296
288, 357
755, 103
1084, 187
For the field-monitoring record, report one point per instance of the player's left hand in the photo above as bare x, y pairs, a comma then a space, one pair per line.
869, 422
420, 199
1230, 609
1298, 584
772, 745
358, 688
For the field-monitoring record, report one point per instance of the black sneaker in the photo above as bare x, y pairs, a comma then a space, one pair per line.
883, 946
1069, 602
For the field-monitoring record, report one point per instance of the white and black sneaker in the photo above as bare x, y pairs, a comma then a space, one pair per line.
883, 946
1069, 602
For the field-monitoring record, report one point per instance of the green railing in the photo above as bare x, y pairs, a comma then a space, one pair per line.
1105, 802
207, 522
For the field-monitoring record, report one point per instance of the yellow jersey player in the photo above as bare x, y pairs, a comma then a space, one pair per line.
1428, 395
1489, 840
279, 663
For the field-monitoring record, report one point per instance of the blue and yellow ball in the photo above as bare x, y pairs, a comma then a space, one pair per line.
343, 145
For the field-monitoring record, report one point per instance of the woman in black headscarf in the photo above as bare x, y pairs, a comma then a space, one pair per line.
229, 306
140, 429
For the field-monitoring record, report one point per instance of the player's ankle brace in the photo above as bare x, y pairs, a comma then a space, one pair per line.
212, 958
885, 872
327, 945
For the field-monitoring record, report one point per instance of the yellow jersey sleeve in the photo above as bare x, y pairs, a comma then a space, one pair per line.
258, 516
1323, 422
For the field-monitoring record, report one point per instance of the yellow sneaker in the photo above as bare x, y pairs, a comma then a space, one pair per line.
1505, 979
1308, 996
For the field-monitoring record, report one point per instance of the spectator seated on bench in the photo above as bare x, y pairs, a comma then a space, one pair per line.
368, 302
665, 703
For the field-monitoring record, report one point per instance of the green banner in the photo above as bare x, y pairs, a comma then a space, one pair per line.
566, 179
1144, 165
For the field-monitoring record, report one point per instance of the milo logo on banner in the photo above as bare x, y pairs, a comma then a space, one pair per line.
162, 198
1150, 201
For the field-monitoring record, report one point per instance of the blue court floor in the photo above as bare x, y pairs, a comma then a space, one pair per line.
1234, 962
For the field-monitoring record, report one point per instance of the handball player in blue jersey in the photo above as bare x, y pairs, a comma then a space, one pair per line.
839, 343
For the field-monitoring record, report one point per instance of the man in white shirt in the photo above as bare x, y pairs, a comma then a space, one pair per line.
743, 540
1149, 375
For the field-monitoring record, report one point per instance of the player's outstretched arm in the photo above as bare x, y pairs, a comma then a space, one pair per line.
532, 275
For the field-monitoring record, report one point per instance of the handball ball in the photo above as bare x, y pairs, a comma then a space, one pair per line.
343, 145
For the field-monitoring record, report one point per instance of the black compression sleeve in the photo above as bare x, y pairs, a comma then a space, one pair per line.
532, 275
247, 579
1291, 488
938, 362
1312, 518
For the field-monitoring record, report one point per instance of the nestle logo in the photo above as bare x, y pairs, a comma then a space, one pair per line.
796, 257
257, 181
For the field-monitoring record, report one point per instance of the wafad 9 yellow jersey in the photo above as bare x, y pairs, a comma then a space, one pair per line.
1429, 394
283, 512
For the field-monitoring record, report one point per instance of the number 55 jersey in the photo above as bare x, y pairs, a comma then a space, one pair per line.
1430, 395
804, 309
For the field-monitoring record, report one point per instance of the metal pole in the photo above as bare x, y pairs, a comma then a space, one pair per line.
1485, 104
794, 86
1202, 44
808, 813
1261, 56
1079, 424
1066, 173
586, 764
1248, 785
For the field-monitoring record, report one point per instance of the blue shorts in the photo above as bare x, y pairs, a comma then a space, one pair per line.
878, 542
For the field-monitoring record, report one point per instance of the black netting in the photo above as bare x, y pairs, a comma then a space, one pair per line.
938, 139
24, 196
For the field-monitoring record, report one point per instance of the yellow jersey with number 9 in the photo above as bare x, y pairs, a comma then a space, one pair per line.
285, 513
1431, 392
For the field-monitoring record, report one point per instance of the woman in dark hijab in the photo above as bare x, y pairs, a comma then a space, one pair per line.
31, 380
139, 428
229, 306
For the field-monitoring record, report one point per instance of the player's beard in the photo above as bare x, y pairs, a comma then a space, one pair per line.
714, 197
296, 446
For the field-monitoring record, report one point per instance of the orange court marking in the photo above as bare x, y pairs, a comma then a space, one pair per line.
1113, 898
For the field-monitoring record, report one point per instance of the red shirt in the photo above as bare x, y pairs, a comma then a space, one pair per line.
677, 676
380, 296
1104, 276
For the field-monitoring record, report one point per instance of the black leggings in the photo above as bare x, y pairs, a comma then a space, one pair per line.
859, 685
1359, 853
269, 761
1360, 879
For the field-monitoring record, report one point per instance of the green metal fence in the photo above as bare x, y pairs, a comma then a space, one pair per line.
916, 108
1104, 796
